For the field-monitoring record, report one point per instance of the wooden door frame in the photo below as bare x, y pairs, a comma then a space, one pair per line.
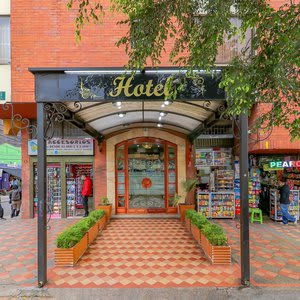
139, 140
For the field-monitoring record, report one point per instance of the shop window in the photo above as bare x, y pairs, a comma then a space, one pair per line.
74, 187
4, 40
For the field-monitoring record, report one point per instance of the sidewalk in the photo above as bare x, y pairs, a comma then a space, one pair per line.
151, 253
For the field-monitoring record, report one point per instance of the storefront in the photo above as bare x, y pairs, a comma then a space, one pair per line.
64, 168
215, 170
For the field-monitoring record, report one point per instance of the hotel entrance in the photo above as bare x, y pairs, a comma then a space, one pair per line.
146, 175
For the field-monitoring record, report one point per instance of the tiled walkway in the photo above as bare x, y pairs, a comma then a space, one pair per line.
151, 253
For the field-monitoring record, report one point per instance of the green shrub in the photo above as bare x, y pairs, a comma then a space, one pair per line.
190, 213
72, 235
69, 238
97, 214
215, 234
200, 221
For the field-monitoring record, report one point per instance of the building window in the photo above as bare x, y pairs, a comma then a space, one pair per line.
4, 40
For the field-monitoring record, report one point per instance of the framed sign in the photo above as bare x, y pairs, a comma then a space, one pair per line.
58, 146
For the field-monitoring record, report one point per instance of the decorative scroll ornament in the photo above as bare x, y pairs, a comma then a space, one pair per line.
18, 122
255, 134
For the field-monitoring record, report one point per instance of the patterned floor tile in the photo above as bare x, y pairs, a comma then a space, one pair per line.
152, 253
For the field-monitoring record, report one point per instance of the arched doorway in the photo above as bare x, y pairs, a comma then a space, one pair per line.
146, 176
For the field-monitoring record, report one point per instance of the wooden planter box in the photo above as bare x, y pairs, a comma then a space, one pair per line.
216, 254
183, 208
93, 232
196, 233
70, 256
107, 209
188, 224
101, 223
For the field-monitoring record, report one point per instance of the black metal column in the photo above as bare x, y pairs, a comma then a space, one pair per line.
244, 217
42, 196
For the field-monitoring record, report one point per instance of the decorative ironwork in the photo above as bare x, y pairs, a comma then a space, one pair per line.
18, 122
251, 132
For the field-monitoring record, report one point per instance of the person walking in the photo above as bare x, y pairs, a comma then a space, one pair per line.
87, 190
15, 198
284, 200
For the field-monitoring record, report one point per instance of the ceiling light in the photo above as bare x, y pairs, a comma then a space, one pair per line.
168, 102
159, 118
159, 125
121, 114
162, 113
162, 105
118, 103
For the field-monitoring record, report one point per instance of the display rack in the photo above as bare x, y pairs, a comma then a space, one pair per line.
216, 204
254, 188
203, 204
224, 180
54, 191
74, 187
275, 212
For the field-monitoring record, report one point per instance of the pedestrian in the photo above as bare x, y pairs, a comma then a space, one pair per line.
87, 190
15, 200
284, 200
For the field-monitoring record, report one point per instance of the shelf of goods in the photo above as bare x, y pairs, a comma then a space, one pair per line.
293, 178
211, 157
275, 212
224, 180
254, 189
216, 204
54, 191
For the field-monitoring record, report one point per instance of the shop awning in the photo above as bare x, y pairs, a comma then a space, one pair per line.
105, 101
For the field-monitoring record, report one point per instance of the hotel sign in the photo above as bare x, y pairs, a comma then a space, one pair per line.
62, 86
284, 164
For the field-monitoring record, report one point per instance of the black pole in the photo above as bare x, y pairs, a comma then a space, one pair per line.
244, 220
42, 197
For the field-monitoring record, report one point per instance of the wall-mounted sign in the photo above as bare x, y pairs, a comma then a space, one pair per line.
57, 86
284, 164
58, 146
2, 95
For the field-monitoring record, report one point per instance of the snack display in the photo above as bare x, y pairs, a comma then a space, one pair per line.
216, 205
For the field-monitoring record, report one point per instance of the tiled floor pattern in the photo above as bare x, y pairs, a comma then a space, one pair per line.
274, 252
151, 253
145, 253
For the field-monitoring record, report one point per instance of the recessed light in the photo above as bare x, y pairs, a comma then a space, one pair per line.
168, 102
121, 114
159, 125
159, 118
162, 113
162, 105
118, 103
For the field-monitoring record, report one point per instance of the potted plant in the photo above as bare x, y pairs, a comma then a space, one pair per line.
189, 187
188, 216
74, 241
215, 245
198, 222
106, 206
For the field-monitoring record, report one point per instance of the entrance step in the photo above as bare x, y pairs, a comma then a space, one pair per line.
146, 216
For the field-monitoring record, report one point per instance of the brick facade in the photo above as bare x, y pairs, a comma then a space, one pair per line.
42, 35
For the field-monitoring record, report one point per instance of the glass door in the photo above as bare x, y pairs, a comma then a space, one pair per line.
146, 176
146, 182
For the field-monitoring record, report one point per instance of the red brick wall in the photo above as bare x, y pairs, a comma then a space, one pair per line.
278, 142
100, 175
25, 176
